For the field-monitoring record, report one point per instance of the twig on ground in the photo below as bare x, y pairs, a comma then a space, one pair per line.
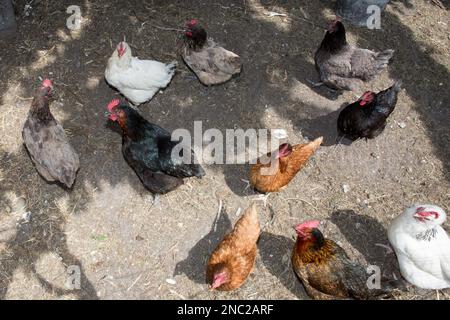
165, 28
135, 281
438, 3
218, 215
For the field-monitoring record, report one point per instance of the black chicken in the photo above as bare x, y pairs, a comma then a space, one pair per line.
147, 148
366, 118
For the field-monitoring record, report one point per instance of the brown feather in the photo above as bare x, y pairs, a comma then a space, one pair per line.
328, 273
315, 270
284, 169
237, 251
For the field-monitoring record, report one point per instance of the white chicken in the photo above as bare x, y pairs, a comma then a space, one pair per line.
422, 246
138, 80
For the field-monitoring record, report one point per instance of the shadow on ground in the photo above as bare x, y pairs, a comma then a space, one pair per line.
275, 252
270, 70
194, 265
365, 234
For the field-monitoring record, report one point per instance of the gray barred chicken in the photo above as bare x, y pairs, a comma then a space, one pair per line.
46, 141
210, 62
343, 66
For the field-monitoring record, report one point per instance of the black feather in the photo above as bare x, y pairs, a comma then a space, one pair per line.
147, 148
369, 120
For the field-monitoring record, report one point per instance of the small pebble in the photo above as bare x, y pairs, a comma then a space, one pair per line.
171, 281
345, 188
402, 125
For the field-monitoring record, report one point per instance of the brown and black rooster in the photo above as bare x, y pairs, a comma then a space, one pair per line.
327, 272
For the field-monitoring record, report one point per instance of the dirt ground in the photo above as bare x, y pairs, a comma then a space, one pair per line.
131, 248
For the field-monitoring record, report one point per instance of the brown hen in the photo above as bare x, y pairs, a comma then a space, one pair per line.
284, 165
327, 272
234, 258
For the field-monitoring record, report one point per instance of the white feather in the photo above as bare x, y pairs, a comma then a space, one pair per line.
138, 80
423, 262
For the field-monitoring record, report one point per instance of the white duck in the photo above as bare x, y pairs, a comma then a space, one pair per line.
138, 80
422, 246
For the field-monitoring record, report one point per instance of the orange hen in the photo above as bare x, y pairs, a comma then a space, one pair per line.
234, 258
285, 164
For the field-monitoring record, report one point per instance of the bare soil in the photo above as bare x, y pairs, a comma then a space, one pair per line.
129, 247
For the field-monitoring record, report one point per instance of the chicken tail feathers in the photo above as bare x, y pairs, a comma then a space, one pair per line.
314, 145
171, 67
187, 171
397, 86
383, 58
387, 99
198, 171
247, 228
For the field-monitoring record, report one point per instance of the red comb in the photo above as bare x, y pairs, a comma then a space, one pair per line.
311, 224
47, 83
421, 211
368, 96
114, 103
192, 22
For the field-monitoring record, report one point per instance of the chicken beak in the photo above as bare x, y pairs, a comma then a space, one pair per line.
298, 231
421, 217
107, 114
